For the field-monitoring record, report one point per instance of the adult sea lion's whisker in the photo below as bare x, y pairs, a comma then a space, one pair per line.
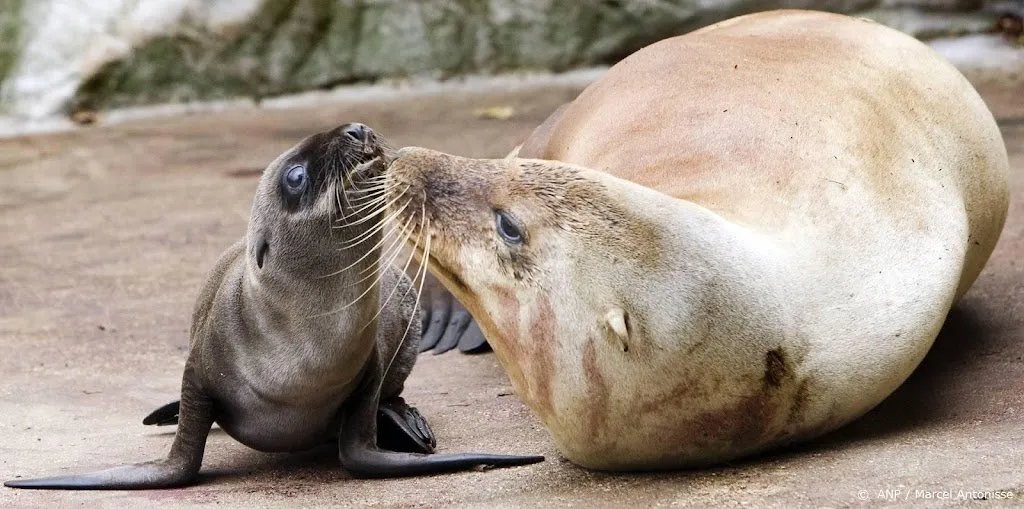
419, 293
376, 208
370, 232
367, 193
392, 252
343, 200
361, 203
372, 214
375, 229
412, 252
367, 186
361, 180
375, 202
368, 217
375, 178
396, 244
393, 291
359, 239
342, 217
370, 190
383, 207
374, 284
354, 301
384, 238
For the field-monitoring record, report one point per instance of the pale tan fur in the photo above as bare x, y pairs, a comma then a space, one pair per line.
753, 236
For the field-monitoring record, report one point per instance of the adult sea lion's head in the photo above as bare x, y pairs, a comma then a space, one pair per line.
542, 253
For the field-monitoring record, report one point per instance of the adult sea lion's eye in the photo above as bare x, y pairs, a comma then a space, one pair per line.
507, 228
295, 178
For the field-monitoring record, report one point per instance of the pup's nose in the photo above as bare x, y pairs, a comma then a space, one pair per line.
358, 132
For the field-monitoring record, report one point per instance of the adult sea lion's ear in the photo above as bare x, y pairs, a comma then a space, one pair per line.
615, 320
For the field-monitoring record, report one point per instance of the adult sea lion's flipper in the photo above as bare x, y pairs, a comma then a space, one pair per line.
178, 469
473, 340
447, 324
435, 320
458, 323
166, 415
361, 456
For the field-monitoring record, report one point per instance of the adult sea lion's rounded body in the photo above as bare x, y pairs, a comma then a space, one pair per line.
737, 238
300, 335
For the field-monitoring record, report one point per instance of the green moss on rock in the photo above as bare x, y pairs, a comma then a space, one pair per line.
295, 45
10, 35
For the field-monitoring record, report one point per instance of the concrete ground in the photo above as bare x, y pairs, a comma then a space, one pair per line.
107, 232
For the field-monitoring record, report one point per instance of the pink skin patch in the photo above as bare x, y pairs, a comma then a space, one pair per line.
597, 390
531, 349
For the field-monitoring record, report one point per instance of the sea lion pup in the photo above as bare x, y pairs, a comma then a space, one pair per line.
735, 239
295, 340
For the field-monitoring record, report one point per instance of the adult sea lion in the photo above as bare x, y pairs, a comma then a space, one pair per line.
294, 341
735, 239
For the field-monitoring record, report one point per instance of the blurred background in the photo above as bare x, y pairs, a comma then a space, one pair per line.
73, 58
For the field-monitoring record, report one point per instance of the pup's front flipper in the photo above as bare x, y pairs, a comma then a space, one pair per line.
180, 468
360, 455
401, 427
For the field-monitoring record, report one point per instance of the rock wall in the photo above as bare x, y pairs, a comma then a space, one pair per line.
59, 56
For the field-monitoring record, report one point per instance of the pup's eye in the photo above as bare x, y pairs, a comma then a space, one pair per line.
295, 178
507, 228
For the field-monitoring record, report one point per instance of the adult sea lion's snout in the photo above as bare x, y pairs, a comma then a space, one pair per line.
446, 180
425, 188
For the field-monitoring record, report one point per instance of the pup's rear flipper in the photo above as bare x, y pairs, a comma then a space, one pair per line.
156, 474
166, 415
